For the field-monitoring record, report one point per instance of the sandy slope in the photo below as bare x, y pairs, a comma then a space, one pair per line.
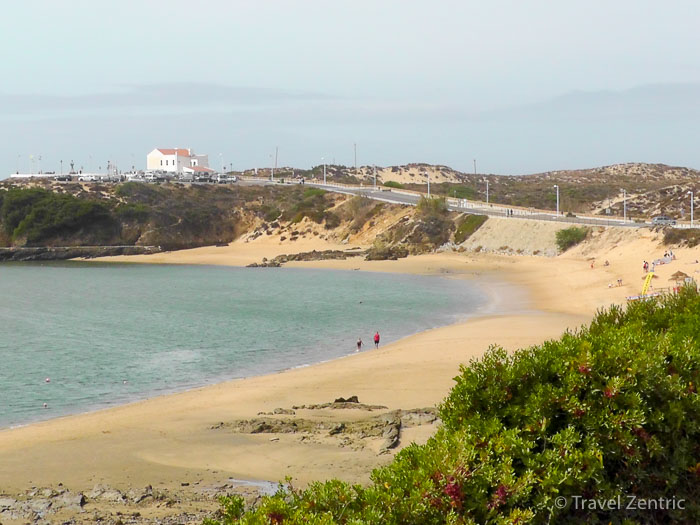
169, 440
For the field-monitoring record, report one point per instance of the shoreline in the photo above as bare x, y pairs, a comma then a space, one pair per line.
492, 301
185, 437
486, 309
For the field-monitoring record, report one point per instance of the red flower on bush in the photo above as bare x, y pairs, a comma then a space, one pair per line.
499, 497
453, 490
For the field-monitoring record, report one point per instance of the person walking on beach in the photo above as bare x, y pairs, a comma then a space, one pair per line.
359, 344
376, 340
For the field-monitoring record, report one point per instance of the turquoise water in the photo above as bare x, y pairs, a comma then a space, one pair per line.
106, 334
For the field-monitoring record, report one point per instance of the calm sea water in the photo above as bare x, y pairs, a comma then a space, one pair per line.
107, 334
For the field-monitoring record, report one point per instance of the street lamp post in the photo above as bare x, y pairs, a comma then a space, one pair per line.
61, 166
624, 205
556, 186
428, 174
324, 170
375, 177
691, 207
487, 191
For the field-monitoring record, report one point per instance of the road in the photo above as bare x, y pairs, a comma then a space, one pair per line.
395, 196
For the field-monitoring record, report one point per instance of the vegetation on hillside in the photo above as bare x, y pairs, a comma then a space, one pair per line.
689, 237
569, 237
651, 189
172, 216
37, 216
609, 411
468, 226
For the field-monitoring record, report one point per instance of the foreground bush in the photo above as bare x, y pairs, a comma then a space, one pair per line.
570, 237
611, 410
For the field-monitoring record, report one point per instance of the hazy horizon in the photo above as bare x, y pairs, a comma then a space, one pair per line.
520, 88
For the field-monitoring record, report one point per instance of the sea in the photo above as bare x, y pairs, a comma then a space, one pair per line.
80, 336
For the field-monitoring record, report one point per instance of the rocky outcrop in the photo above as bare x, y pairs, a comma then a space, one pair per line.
48, 253
353, 432
313, 255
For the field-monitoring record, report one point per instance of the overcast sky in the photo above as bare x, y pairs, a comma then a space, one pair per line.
520, 86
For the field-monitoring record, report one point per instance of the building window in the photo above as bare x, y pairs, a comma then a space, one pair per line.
161, 162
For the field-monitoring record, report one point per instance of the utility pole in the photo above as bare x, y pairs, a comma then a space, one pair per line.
375, 177
324, 169
691, 207
428, 175
557, 188
474, 166
355, 145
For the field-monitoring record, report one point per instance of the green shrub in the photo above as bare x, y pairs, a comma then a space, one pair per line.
609, 410
359, 210
270, 213
393, 184
38, 216
569, 237
139, 192
313, 204
313, 192
468, 226
137, 212
431, 206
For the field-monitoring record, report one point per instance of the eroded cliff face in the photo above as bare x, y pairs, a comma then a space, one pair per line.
40, 214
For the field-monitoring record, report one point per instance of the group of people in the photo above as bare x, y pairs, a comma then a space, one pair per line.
667, 258
376, 341
619, 283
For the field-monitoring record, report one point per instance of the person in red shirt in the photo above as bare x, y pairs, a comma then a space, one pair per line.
376, 340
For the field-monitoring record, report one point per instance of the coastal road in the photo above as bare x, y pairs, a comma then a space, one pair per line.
395, 196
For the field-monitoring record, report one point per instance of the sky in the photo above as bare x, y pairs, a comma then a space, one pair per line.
522, 87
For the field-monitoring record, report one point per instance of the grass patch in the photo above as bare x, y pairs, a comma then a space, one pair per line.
468, 226
393, 184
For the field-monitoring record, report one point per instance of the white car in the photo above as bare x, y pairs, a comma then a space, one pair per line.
663, 220
86, 178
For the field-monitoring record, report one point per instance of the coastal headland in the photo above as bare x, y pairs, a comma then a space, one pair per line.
170, 455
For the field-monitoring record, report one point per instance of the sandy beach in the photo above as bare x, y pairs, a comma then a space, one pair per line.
182, 442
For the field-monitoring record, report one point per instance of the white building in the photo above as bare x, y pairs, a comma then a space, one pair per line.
174, 160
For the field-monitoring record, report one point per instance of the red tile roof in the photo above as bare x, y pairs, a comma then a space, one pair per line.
201, 169
180, 152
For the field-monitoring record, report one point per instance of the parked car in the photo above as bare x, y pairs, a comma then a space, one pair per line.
62, 178
86, 178
223, 179
663, 220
